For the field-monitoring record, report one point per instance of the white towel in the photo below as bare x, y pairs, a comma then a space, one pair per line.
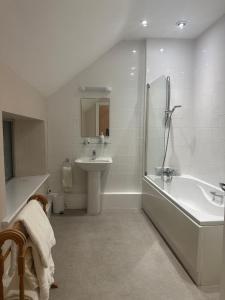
67, 180
41, 241
39, 229
29, 295
44, 275
31, 284
37, 279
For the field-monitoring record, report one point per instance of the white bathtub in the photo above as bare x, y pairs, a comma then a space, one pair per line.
191, 223
193, 196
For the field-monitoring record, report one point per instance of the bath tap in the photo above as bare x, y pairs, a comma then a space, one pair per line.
215, 196
93, 155
169, 173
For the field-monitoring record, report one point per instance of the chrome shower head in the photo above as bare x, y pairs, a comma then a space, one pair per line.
173, 109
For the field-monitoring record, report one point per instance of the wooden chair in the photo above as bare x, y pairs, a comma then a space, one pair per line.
19, 235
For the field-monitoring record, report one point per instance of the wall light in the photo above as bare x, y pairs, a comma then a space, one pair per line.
181, 24
144, 23
134, 51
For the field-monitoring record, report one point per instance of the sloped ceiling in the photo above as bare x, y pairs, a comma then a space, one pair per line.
47, 42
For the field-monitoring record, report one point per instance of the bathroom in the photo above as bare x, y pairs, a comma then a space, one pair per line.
143, 208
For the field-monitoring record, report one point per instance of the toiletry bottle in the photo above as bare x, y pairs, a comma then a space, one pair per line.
102, 138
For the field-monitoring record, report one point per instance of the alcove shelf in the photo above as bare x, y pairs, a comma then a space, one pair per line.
28, 161
18, 191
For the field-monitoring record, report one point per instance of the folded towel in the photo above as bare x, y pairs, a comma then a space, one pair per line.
67, 180
36, 276
41, 240
44, 275
29, 295
39, 229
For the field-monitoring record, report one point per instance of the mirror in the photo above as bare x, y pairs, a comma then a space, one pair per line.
95, 117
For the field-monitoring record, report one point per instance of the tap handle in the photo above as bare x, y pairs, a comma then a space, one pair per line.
222, 186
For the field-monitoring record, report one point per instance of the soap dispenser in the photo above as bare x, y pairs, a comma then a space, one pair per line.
102, 138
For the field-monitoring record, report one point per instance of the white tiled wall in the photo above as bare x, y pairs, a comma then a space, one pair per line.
209, 105
126, 122
196, 68
176, 61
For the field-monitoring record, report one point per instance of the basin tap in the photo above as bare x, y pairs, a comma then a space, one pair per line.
93, 155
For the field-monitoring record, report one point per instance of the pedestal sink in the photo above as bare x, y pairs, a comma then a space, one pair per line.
94, 167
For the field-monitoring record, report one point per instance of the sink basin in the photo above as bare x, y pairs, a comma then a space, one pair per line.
93, 165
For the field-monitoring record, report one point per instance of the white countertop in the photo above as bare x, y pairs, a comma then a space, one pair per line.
18, 191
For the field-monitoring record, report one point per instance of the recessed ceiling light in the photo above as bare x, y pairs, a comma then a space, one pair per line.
144, 23
161, 50
134, 51
181, 24
132, 74
133, 68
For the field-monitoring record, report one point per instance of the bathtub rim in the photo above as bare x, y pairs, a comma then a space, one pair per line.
173, 201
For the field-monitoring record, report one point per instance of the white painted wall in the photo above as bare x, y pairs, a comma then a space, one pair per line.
126, 111
29, 147
2, 173
16, 97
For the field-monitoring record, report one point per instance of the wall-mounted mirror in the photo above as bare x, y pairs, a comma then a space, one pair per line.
95, 117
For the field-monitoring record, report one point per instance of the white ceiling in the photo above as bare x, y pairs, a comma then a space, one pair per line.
163, 15
47, 42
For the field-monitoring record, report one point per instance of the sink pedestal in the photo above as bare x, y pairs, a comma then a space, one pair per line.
94, 167
94, 193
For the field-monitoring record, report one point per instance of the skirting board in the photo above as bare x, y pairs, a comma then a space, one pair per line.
109, 201
75, 201
121, 201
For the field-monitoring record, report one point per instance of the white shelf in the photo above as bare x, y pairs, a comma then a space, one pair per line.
95, 143
18, 191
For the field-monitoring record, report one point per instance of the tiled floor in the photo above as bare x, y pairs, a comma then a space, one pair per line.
114, 256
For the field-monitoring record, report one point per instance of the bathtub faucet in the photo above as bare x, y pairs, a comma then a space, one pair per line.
215, 196
168, 173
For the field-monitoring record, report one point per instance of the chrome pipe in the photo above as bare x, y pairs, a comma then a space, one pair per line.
168, 92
